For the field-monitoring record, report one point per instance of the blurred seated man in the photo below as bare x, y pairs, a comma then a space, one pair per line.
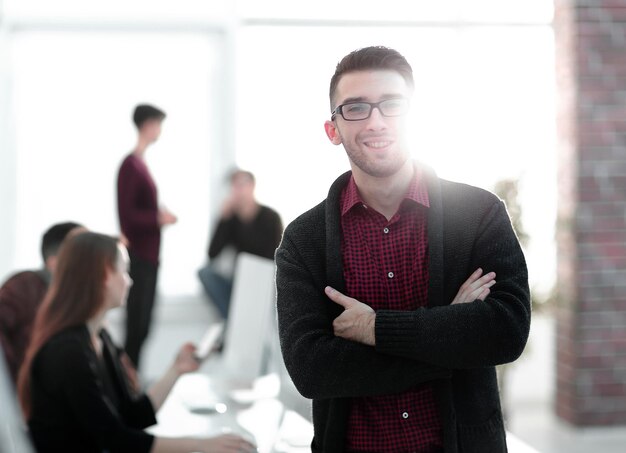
21, 295
244, 226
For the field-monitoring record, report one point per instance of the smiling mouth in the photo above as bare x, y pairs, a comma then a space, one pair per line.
377, 144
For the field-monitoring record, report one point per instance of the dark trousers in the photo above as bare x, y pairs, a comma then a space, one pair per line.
139, 305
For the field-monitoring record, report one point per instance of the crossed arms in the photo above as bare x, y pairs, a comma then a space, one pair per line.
358, 320
335, 346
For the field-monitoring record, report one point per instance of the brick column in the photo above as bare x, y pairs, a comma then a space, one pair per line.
591, 234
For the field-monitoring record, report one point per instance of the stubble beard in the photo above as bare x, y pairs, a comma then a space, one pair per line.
374, 168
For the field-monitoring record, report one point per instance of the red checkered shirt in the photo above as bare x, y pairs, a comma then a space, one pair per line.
386, 266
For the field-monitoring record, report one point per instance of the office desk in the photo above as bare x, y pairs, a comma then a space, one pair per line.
201, 406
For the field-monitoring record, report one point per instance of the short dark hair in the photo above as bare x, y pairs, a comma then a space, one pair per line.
239, 172
145, 112
368, 58
54, 236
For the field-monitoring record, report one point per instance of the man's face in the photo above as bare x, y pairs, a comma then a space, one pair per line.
242, 189
376, 146
151, 129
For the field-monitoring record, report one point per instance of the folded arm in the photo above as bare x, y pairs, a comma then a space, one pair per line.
469, 335
321, 364
358, 320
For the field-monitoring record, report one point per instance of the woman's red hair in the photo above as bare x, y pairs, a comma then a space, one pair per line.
75, 296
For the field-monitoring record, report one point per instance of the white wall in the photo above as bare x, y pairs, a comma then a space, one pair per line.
73, 93
71, 72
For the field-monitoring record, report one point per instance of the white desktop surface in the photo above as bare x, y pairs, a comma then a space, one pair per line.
255, 413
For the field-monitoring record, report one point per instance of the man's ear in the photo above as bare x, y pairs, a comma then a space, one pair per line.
51, 263
332, 132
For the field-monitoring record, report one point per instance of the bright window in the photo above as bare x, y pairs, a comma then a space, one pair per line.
73, 97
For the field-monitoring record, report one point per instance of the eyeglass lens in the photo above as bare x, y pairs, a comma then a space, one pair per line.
362, 110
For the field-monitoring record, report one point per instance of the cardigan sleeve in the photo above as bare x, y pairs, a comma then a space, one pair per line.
69, 369
320, 364
469, 335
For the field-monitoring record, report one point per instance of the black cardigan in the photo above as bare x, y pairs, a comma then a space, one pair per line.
71, 411
453, 346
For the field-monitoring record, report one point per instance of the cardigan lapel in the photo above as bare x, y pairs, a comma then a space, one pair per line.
435, 239
334, 266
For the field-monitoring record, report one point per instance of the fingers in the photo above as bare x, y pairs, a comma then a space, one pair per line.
234, 443
189, 346
489, 277
477, 279
475, 276
475, 287
338, 297
479, 293
471, 285
484, 294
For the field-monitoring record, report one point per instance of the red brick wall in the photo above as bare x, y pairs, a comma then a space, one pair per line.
591, 235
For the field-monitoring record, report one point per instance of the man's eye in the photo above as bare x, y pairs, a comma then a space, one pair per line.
356, 108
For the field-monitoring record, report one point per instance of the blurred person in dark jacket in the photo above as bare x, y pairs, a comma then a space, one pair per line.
245, 225
22, 293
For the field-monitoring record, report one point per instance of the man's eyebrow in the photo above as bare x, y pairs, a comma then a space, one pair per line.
364, 99
355, 99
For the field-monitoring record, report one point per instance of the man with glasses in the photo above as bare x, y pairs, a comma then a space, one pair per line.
390, 316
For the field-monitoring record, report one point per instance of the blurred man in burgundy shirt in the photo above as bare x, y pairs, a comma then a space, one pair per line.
141, 220
22, 293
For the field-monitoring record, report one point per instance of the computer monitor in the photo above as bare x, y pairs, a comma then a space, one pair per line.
247, 328
288, 394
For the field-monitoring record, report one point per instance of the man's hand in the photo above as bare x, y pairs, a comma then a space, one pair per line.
185, 361
475, 287
166, 217
228, 207
357, 321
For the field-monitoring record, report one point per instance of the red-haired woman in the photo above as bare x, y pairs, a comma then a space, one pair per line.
73, 388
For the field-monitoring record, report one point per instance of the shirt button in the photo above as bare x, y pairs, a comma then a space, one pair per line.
390, 275
385, 230
405, 415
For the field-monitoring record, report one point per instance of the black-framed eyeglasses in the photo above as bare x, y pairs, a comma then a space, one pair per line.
357, 111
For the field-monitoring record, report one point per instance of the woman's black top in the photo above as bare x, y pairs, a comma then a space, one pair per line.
82, 402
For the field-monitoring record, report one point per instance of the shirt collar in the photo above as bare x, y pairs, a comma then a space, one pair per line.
416, 193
